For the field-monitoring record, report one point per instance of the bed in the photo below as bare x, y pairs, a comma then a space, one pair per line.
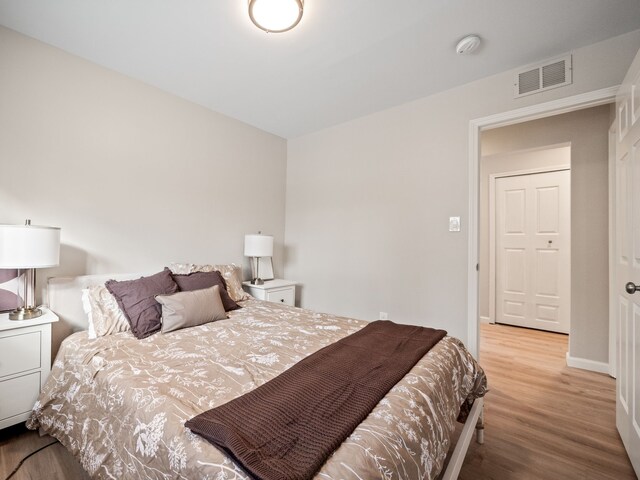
119, 404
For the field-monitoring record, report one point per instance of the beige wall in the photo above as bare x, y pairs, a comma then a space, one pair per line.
588, 132
510, 161
136, 178
368, 201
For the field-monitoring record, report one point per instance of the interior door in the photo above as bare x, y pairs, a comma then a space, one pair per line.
627, 262
533, 250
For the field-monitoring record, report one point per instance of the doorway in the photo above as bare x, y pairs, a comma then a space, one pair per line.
583, 135
476, 128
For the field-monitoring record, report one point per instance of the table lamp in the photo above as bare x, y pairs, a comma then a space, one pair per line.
257, 246
27, 247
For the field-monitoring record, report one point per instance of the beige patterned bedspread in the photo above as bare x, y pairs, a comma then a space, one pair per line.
119, 404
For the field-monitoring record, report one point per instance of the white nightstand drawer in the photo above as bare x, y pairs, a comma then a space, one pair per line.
277, 290
19, 394
285, 295
25, 363
19, 352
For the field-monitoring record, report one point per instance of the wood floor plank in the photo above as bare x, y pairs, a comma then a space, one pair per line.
543, 419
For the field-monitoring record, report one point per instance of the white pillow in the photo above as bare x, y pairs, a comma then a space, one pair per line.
105, 316
86, 306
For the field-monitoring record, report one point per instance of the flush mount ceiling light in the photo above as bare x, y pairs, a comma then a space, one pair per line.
275, 16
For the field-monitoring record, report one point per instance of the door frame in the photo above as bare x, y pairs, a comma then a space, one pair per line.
613, 324
534, 112
492, 219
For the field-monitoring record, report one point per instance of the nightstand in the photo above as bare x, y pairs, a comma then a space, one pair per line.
279, 291
25, 363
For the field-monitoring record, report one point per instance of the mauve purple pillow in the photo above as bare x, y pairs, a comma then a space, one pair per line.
201, 280
136, 299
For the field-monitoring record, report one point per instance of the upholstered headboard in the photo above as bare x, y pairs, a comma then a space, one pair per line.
64, 297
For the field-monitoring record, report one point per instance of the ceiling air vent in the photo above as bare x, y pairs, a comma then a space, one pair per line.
543, 76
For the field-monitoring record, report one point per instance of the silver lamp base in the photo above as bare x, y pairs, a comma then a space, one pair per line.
257, 281
25, 313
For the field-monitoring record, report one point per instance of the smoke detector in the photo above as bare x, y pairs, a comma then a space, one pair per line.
468, 44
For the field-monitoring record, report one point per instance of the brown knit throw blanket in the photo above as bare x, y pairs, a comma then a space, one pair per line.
289, 426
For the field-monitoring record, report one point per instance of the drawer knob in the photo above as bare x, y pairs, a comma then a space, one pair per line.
282, 300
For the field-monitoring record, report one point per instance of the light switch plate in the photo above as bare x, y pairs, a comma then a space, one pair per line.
454, 224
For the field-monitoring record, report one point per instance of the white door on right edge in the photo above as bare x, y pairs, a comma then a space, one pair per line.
533, 250
627, 262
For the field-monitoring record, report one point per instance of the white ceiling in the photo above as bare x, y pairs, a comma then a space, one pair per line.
347, 58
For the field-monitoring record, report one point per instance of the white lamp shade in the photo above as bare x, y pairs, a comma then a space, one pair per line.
29, 246
258, 246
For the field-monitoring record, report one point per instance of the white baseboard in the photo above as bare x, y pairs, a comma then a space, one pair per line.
585, 364
484, 319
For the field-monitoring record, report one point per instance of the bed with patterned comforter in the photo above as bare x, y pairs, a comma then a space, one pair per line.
119, 404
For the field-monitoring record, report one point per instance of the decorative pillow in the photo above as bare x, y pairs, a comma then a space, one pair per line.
190, 309
231, 273
200, 280
105, 316
136, 299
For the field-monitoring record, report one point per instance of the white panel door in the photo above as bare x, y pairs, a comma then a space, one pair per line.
627, 262
533, 250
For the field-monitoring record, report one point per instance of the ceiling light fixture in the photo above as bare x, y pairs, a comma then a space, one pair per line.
276, 16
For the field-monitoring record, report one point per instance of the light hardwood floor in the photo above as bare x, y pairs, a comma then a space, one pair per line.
544, 421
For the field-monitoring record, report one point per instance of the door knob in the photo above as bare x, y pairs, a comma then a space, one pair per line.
632, 288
